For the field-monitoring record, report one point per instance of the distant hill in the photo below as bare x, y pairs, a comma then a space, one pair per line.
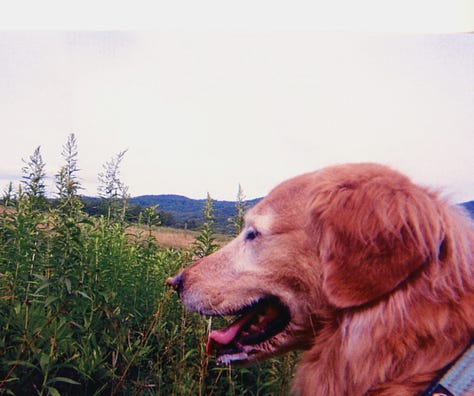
187, 212
470, 207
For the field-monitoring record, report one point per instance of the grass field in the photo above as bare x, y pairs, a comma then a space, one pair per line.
176, 238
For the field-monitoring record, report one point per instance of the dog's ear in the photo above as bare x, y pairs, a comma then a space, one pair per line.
372, 236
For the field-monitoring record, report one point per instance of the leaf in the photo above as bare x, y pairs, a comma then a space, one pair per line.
20, 363
189, 353
17, 307
81, 293
43, 286
50, 300
67, 282
64, 380
41, 277
44, 361
53, 391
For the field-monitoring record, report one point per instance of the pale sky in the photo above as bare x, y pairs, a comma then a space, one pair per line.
203, 106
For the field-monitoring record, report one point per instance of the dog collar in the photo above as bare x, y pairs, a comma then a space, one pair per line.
458, 378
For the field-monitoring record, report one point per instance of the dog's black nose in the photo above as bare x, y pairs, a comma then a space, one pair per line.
176, 283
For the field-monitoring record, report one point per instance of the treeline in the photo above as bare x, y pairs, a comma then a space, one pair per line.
177, 211
84, 309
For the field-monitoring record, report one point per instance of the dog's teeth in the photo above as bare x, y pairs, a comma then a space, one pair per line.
225, 360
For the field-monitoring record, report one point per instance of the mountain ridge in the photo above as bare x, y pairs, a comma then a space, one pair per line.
188, 212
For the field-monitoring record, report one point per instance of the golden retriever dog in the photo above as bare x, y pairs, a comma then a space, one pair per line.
369, 273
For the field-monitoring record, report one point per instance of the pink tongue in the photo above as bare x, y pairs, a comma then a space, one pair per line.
225, 336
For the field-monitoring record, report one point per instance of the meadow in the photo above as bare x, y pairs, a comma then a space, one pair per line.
84, 309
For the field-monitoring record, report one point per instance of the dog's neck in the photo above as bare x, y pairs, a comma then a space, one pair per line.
345, 349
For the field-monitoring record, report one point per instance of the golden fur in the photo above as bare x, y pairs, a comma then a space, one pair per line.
375, 272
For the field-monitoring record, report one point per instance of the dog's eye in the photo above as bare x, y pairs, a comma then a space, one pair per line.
251, 235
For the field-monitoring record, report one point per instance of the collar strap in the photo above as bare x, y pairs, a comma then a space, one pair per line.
458, 380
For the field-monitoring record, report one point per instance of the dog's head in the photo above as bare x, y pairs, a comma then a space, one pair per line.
317, 244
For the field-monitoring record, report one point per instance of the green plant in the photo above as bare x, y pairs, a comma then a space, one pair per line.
205, 242
237, 221
33, 180
84, 308
112, 189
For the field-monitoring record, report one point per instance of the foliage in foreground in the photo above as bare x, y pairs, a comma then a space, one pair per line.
84, 309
